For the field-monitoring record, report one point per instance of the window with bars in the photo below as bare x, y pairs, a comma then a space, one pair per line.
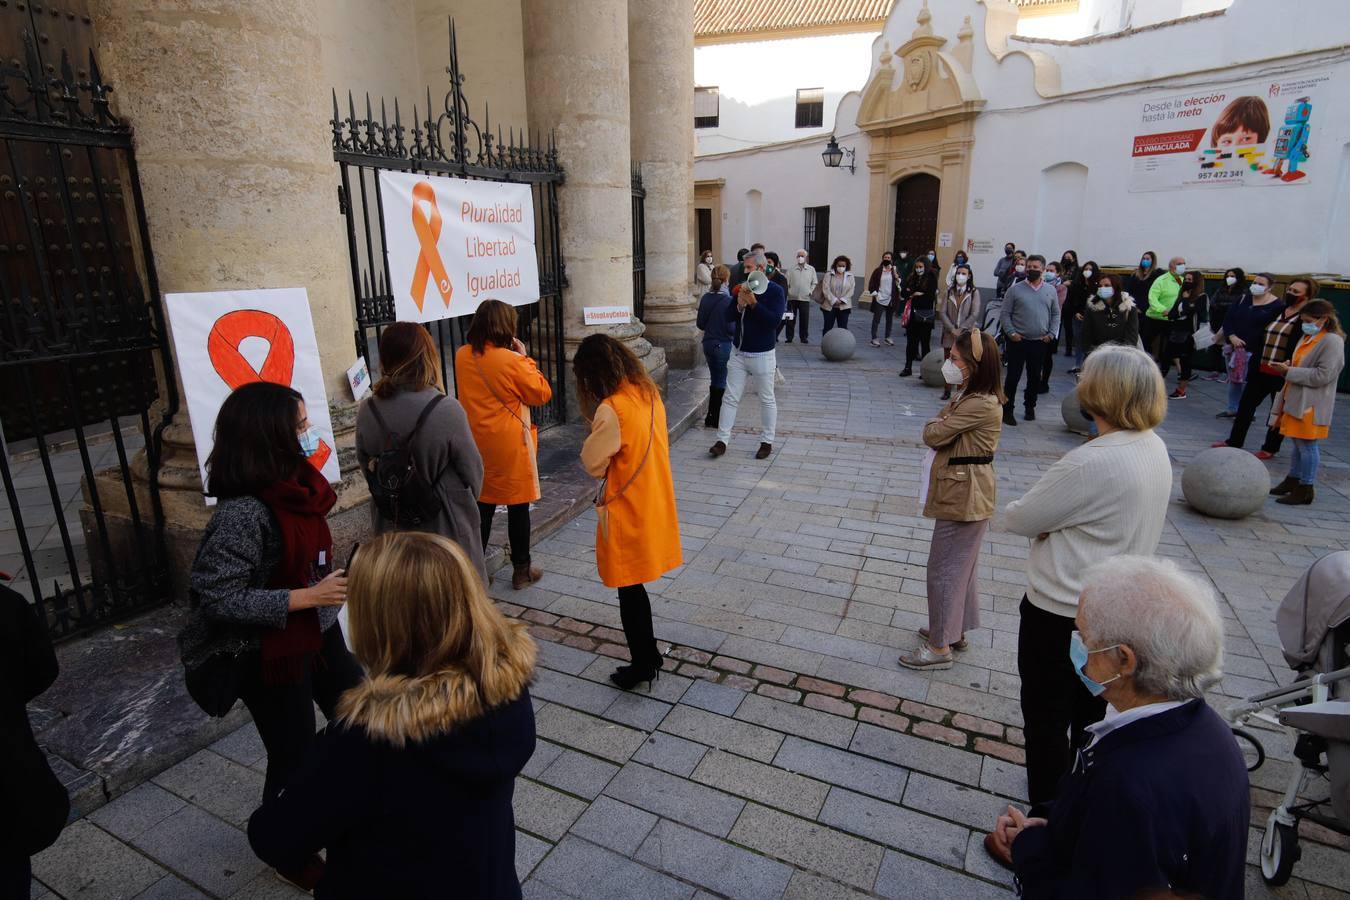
707, 103
810, 107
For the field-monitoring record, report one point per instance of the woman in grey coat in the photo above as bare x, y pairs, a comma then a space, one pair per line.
443, 449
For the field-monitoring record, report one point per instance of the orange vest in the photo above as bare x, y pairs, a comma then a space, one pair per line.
637, 539
501, 422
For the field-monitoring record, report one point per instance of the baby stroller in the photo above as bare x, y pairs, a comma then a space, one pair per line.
1313, 622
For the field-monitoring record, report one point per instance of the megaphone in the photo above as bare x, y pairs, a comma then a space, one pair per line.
757, 282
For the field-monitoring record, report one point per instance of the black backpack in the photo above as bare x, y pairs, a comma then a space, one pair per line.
402, 494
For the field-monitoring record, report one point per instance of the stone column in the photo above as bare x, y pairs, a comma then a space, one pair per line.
576, 85
661, 100
230, 113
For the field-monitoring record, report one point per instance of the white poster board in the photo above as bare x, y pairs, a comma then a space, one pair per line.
455, 243
225, 339
606, 315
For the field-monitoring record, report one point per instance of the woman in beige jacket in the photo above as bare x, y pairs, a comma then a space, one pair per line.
1302, 411
959, 311
960, 491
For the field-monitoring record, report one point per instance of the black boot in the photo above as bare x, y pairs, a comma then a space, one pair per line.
714, 407
1300, 495
1284, 487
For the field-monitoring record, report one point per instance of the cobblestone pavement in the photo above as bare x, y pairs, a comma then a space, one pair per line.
787, 755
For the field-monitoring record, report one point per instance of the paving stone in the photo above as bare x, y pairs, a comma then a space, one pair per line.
569, 690
268, 886
739, 666
895, 826
618, 826
243, 745
202, 849
672, 797
923, 711
577, 773
170, 887
906, 876
977, 725
957, 802
809, 886
740, 682
137, 811
830, 705
721, 867
875, 698
86, 862
544, 755
637, 711
543, 811
824, 727
917, 753
935, 732
1001, 750
1003, 777
587, 733
762, 783
884, 719
716, 698
581, 869
534, 889
816, 686
840, 767
777, 676
978, 861
670, 753
562, 658
721, 732
529, 850
216, 784
778, 692
808, 845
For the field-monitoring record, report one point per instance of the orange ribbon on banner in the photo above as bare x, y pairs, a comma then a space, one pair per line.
222, 346
429, 262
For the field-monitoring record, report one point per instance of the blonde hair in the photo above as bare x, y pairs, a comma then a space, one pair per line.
422, 625
1123, 386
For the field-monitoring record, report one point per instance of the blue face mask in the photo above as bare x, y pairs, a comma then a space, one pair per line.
1311, 328
1078, 655
1145, 263
309, 442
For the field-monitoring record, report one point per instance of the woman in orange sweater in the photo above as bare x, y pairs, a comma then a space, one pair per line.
637, 537
498, 383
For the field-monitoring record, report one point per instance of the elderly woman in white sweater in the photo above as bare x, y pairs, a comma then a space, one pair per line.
1104, 499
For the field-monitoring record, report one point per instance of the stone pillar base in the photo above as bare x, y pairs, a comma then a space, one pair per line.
634, 336
682, 343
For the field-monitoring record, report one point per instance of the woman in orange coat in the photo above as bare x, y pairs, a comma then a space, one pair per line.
637, 537
498, 383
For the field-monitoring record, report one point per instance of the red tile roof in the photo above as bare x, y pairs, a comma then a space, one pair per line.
714, 18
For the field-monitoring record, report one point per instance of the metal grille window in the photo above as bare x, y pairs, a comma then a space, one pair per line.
707, 105
810, 107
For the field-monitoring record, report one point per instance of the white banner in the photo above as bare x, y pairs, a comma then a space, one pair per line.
455, 243
1250, 134
225, 339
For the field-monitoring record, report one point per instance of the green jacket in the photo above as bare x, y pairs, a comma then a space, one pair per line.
1163, 296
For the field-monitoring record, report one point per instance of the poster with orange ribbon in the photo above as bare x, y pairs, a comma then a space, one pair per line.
225, 339
454, 243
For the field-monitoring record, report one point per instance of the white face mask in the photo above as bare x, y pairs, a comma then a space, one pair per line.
1087, 273
951, 373
1231, 280
903, 254
801, 260
839, 270
1258, 290
1106, 293
962, 277
1181, 268
1020, 268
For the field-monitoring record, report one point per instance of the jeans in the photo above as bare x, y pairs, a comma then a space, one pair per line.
1304, 464
635, 611
717, 353
743, 365
1260, 387
1056, 707
1027, 353
284, 713
878, 311
517, 529
918, 339
836, 317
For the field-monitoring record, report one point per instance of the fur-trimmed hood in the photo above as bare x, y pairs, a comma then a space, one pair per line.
398, 709
1097, 304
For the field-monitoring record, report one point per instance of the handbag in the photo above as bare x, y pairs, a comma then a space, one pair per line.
216, 683
1203, 337
818, 292
531, 429
908, 311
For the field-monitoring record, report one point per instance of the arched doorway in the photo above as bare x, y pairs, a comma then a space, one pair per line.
916, 213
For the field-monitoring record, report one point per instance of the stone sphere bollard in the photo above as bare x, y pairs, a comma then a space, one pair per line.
1226, 483
838, 344
1074, 420
930, 369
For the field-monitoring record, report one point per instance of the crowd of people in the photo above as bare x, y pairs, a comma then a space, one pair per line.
1134, 783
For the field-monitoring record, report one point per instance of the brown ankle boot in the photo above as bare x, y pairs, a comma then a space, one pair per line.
1300, 495
1284, 487
523, 575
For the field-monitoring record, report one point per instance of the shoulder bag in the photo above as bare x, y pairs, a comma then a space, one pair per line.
601, 502
529, 431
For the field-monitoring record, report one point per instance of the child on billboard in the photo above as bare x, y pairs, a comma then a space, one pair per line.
1239, 131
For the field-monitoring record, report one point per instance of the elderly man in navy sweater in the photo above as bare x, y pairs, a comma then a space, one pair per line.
757, 319
1158, 799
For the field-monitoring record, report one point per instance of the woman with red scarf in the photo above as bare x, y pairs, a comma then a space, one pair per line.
265, 591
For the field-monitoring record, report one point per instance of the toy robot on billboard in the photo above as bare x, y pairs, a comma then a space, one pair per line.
1291, 145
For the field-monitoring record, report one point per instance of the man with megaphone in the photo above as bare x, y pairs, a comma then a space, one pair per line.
759, 309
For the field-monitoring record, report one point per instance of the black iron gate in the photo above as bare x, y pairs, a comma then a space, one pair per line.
448, 143
83, 349
639, 245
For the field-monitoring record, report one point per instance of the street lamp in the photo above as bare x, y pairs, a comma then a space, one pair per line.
833, 155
